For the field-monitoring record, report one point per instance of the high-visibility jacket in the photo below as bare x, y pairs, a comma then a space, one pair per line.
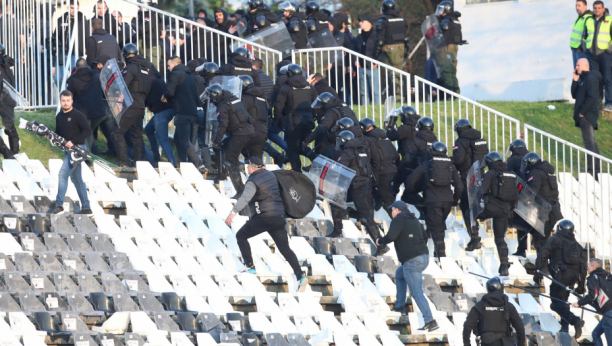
603, 34
576, 39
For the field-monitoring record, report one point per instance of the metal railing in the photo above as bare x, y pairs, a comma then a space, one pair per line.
585, 189
446, 107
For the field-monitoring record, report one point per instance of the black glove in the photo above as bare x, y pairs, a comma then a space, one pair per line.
537, 278
581, 289
456, 203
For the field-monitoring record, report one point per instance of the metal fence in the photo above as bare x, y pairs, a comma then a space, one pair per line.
585, 190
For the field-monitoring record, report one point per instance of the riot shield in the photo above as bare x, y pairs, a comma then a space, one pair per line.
531, 207
436, 43
389, 109
116, 91
10, 98
331, 180
241, 25
475, 199
276, 37
229, 83
319, 61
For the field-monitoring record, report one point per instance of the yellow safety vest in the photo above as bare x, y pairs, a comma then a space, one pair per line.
603, 35
576, 37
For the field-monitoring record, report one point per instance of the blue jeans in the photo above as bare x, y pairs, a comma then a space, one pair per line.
75, 175
410, 274
273, 136
369, 84
604, 327
577, 55
157, 133
603, 64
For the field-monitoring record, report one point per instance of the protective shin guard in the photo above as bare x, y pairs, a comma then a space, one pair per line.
502, 250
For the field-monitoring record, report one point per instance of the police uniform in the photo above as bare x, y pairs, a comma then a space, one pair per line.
514, 165
7, 108
404, 135
298, 30
138, 80
451, 30
415, 155
392, 46
240, 66
492, 320
317, 22
387, 168
323, 135
566, 261
100, 42
515, 160
260, 19
254, 100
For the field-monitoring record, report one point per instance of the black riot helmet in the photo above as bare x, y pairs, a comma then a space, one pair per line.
438, 147
425, 123
366, 122
387, 5
565, 225
462, 124
294, 69
343, 138
210, 69
213, 92
289, 6
247, 82
129, 50
495, 285
406, 112
345, 124
530, 160
311, 7
260, 21
322, 101
253, 4
444, 7
2, 50
490, 158
243, 52
517, 143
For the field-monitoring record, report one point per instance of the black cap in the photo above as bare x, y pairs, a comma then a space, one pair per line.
365, 17
256, 161
399, 205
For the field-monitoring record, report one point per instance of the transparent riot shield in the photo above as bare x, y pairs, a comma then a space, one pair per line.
436, 43
531, 207
319, 61
474, 186
241, 25
116, 91
229, 83
331, 180
276, 37
389, 110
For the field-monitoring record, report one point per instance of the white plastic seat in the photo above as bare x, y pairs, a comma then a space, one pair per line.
165, 193
305, 325
29, 188
146, 172
301, 248
195, 302
310, 304
384, 285
206, 284
180, 338
351, 302
529, 304
174, 226
207, 191
158, 338
147, 245
36, 170
190, 173
137, 210
183, 285
104, 174
260, 322
265, 304
210, 264
231, 288
214, 245
187, 263
196, 226
158, 283
352, 324
164, 264
343, 265
217, 226
362, 284
205, 339
142, 191
13, 170
375, 324
143, 325
282, 323
341, 339
8, 244
116, 324
191, 245
220, 305
549, 323
21, 325
202, 208
390, 339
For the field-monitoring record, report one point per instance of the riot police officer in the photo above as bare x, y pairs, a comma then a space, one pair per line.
566, 261
405, 133
209, 71
260, 17
451, 30
469, 148
138, 80
295, 23
240, 64
540, 175
353, 154
438, 175
7, 106
500, 196
293, 109
418, 149
254, 100
235, 122
392, 29
492, 317
389, 155
516, 150
317, 20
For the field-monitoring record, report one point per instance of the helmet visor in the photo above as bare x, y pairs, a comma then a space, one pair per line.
524, 168
509, 151
339, 143
440, 10
286, 6
317, 104
483, 164
245, 5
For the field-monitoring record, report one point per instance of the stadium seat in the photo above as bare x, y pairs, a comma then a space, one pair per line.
323, 246
344, 246
163, 321
45, 322
124, 302
275, 339
64, 283
100, 302
38, 224
7, 303
363, 264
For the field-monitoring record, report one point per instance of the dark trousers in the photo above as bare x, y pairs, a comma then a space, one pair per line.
384, 189
275, 226
464, 205
362, 197
588, 138
182, 138
568, 277
603, 64
294, 144
130, 120
500, 228
435, 218
108, 128
255, 145
231, 151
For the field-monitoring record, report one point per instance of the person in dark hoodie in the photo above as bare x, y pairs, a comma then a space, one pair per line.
201, 83
599, 284
101, 42
157, 127
254, 100
107, 126
331, 109
317, 20
62, 35
181, 90
516, 151
7, 106
293, 109
222, 43
321, 85
585, 90
260, 17
240, 64
366, 43
295, 23
88, 96
566, 261
500, 197
469, 148
438, 175
492, 318
404, 135
149, 29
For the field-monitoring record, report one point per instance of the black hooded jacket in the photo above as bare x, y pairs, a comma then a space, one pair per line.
87, 93
229, 123
62, 34
182, 90
462, 154
299, 38
433, 193
249, 100
107, 45
239, 66
417, 150
285, 99
6, 74
409, 238
586, 93
595, 281
404, 134
322, 86
551, 255
490, 186
132, 72
376, 137
153, 101
320, 21
109, 22
479, 314
541, 178
515, 160
253, 26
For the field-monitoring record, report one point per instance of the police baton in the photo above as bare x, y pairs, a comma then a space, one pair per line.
540, 294
560, 284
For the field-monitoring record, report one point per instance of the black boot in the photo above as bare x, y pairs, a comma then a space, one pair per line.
13, 139
503, 269
578, 325
474, 244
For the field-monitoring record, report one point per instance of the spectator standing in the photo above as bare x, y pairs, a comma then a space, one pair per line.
410, 241
149, 29
62, 35
578, 37
109, 22
600, 57
365, 43
101, 42
585, 90
157, 128
124, 30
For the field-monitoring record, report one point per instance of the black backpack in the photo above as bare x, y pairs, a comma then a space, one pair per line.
506, 187
297, 192
572, 252
440, 171
479, 149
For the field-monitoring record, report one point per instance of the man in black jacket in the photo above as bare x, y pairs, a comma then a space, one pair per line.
493, 317
182, 92
88, 96
418, 149
516, 151
223, 43
321, 85
239, 65
332, 110
568, 265
410, 241
365, 43
149, 29
124, 30
254, 100
157, 127
599, 284
438, 175
110, 23
585, 90
7, 106
295, 23
260, 17
62, 36
101, 42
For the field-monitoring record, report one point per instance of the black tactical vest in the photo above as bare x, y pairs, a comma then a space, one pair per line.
106, 44
239, 115
396, 29
140, 84
345, 111
261, 117
452, 35
479, 149
496, 319
440, 171
298, 32
506, 186
267, 201
301, 101
388, 150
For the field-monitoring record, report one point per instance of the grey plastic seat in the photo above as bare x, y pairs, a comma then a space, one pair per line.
565, 339
69, 205
24, 262
95, 262
7, 303
305, 228
135, 283
108, 339
84, 339
386, 265
276, 339
250, 339
545, 339
120, 262
22, 205
72, 261
367, 247
54, 302
6, 264
163, 321
71, 321
344, 246
100, 243
135, 338
531, 326
430, 285
40, 282
64, 283
78, 302
15, 282
83, 224
49, 263
111, 283
37, 223
30, 242
30, 302
13, 223
210, 321
45, 322
42, 204
443, 302
230, 337
54, 242
297, 339
326, 227
123, 302
148, 302
5, 208
60, 224
87, 283
77, 242
463, 302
